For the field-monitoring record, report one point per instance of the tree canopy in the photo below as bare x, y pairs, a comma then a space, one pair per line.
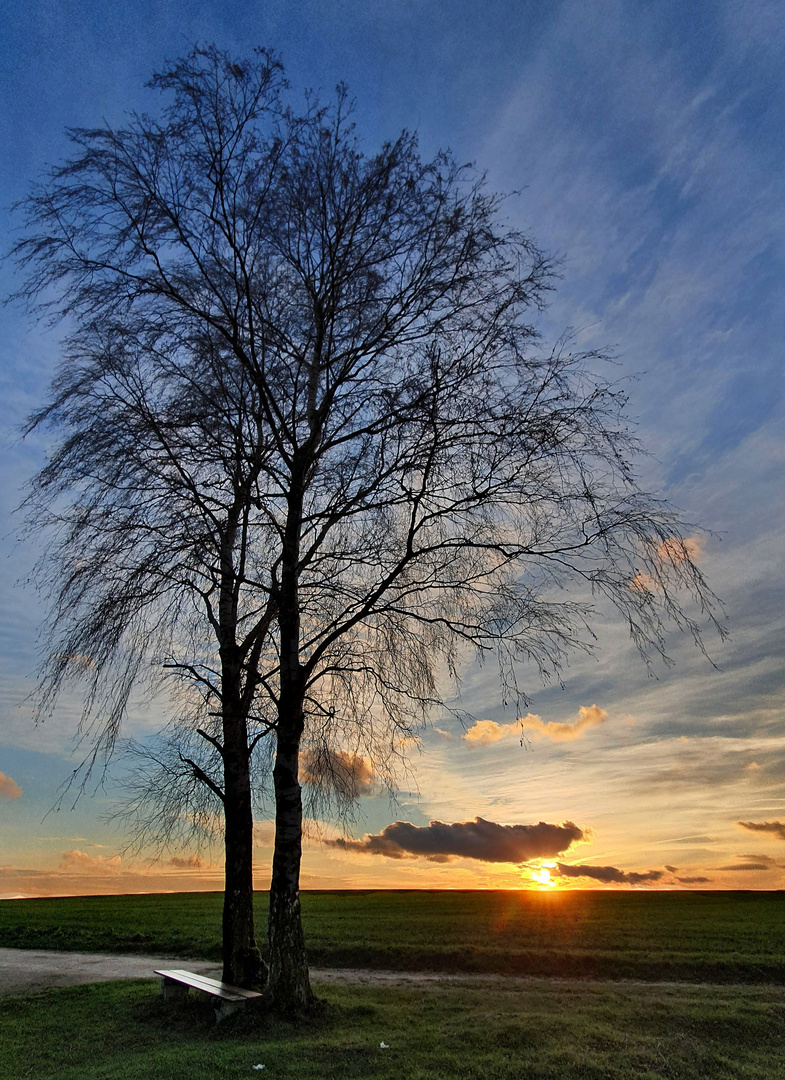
310, 453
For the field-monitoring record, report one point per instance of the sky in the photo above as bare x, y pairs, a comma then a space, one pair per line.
644, 142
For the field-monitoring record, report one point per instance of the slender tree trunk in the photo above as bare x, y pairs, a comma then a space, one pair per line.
242, 962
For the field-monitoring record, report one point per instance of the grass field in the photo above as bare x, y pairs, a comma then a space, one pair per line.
692, 936
540, 1031
533, 1029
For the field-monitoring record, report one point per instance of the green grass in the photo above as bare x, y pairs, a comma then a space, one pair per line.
180, 924
124, 1031
696, 936
536, 1029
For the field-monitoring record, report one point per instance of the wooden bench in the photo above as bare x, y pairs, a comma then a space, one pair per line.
176, 982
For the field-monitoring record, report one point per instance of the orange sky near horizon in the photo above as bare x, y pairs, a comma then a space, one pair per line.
91, 872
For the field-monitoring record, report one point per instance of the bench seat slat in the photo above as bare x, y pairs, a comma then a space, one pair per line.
207, 985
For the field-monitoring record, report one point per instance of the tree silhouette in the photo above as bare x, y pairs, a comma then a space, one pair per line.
309, 451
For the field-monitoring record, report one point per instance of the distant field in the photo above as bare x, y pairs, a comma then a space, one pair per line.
695, 936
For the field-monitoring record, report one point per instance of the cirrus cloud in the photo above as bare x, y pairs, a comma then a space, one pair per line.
486, 841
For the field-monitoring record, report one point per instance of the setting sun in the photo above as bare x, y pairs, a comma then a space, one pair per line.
543, 878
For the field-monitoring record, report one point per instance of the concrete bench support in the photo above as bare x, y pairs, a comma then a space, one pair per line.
176, 983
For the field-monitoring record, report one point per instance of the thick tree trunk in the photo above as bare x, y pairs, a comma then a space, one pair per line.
288, 984
243, 964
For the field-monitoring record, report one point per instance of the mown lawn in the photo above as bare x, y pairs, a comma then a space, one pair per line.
693, 936
538, 1030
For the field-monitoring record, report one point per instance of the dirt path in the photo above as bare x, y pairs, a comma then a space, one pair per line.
23, 971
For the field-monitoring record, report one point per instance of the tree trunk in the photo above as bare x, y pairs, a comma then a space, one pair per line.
243, 964
288, 983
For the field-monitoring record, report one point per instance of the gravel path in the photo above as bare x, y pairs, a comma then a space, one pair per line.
23, 971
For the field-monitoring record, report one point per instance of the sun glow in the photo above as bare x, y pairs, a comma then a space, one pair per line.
542, 878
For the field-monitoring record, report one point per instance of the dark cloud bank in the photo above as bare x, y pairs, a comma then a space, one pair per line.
488, 841
478, 839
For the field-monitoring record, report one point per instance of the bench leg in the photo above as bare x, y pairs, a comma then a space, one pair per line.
171, 989
226, 1008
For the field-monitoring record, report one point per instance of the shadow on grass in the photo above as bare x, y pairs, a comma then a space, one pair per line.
193, 1016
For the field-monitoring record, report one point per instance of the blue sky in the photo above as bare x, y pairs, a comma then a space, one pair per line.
645, 141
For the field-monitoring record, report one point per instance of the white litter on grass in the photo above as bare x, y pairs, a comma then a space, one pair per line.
257, 1066
383, 1046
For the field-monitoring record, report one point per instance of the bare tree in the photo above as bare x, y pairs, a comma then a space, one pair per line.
310, 451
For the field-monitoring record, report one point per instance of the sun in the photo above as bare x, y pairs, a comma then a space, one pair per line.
543, 878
